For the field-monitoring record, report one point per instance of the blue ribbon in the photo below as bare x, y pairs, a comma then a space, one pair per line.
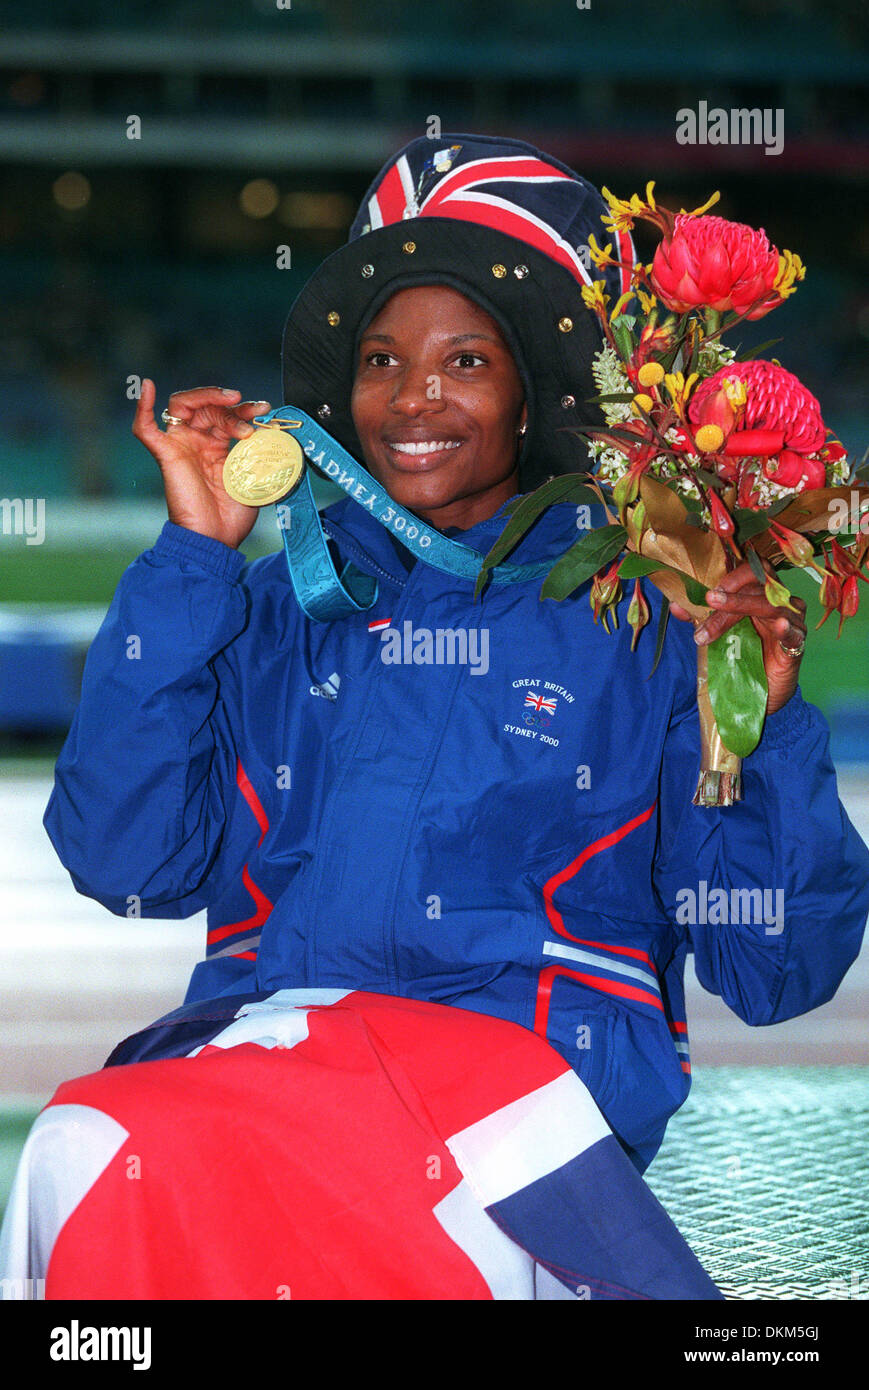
320, 592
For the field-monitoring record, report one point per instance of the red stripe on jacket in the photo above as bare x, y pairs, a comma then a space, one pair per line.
549, 888
263, 906
549, 973
544, 992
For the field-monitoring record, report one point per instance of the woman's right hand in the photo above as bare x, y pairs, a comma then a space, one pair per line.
191, 457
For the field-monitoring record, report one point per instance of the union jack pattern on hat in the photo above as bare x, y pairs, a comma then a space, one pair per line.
503, 184
504, 225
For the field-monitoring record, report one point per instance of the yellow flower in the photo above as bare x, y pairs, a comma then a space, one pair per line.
600, 257
709, 438
622, 213
621, 304
698, 212
650, 374
790, 269
735, 391
680, 389
647, 301
675, 384
594, 298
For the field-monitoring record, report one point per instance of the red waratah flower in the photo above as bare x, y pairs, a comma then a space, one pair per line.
775, 400
708, 261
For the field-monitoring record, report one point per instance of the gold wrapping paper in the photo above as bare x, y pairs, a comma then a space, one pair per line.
720, 779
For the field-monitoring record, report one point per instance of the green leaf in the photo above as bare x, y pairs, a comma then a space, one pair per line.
512, 506
663, 617
624, 338
567, 488
616, 431
755, 352
635, 566
757, 568
749, 523
694, 589
668, 361
695, 357
779, 506
583, 560
737, 686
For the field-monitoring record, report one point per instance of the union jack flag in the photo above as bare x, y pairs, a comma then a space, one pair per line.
541, 702
496, 1181
511, 188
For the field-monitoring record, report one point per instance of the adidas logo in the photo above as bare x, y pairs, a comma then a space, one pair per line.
329, 688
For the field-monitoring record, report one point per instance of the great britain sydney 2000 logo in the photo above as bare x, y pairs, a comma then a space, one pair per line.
539, 706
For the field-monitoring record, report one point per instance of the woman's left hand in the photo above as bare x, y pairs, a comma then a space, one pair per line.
739, 595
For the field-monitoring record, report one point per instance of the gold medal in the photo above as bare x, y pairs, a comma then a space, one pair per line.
264, 467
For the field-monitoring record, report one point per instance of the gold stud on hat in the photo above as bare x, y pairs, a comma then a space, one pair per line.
565, 325
499, 271
409, 247
333, 318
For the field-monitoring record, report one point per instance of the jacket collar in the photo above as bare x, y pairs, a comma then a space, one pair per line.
364, 540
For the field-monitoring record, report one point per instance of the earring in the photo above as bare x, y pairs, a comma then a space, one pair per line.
522, 429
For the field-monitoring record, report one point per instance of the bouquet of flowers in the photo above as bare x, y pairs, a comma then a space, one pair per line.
707, 459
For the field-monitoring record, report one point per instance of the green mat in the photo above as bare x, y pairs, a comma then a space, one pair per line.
764, 1170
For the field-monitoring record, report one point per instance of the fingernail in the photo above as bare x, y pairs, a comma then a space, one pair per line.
227, 391
700, 636
716, 596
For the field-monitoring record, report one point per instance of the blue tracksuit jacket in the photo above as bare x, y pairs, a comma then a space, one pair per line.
508, 831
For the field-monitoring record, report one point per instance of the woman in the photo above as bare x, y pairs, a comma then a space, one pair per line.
377, 832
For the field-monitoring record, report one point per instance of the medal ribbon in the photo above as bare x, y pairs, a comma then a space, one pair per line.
320, 592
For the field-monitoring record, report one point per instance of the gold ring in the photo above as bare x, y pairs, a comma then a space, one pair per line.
171, 419
793, 651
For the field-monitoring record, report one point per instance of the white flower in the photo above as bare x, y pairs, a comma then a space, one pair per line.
611, 379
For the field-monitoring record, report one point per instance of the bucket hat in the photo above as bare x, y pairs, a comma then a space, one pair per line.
501, 223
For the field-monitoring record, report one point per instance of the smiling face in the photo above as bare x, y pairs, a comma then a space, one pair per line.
437, 403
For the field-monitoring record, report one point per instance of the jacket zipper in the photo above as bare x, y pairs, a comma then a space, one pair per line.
351, 547
330, 810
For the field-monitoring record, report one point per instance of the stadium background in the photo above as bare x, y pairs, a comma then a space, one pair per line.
157, 256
